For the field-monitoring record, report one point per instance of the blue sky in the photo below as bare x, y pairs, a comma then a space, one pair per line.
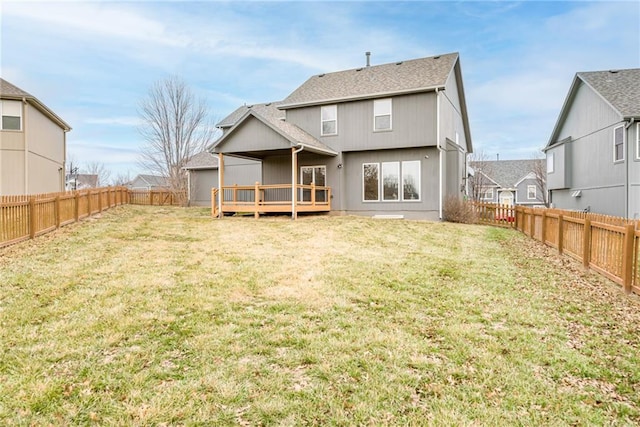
92, 62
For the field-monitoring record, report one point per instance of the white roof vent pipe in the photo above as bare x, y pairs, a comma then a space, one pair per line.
368, 55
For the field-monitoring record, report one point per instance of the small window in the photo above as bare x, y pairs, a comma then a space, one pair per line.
391, 181
487, 194
550, 162
531, 192
329, 118
11, 112
371, 182
382, 114
618, 144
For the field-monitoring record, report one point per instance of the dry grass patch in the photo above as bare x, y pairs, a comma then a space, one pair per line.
162, 316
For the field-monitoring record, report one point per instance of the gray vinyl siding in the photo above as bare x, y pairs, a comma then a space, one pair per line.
588, 158
607, 201
451, 121
413, 124
633, 148
253, 135
454, 167
202, 181
522, 193
561, 176
426, 208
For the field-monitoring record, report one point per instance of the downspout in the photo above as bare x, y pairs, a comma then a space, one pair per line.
294, 153
629, 158
188, 187
26, 145
440, 189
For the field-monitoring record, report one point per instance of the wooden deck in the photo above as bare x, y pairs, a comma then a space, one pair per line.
262, 199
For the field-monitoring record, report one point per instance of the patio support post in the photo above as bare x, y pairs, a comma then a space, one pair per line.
220, 184
294, 179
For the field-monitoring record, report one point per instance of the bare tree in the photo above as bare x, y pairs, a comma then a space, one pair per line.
540, 172
100, 170
121, 179
479, 181
175, 127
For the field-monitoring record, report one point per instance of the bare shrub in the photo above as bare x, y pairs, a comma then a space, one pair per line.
458, 210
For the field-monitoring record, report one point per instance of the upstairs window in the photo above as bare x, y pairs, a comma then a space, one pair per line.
487, 194
11, 112
329, 119
382, 114
618, 144
531, 192
549, 162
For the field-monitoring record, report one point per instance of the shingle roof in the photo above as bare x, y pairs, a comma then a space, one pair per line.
7, 89
203, 160
506, 173
273, 117
10, 91
380, 80
621, 88
266, 110
154, 180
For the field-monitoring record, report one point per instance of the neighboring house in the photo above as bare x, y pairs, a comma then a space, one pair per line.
149, 182
510, 182
80, 181
202, 174
390, 139
32, 144
593, 155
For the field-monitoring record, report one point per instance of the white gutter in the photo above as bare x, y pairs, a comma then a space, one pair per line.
440, 189
293, 180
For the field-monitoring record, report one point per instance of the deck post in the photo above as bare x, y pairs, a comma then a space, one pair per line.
294, 170
220, 184
256, 200
313, 194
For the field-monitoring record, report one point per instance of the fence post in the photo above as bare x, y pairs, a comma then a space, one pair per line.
89, 202
32, 217
256, 199
57, 210
100, 200
532, 224
543, 227
586, 243
627, 257
560, 233
76, 212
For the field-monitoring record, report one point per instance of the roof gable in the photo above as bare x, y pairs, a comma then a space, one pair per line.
411, 76
10, 91
270, 116
620, 89
507, 173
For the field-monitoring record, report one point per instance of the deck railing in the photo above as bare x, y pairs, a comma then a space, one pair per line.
271, 198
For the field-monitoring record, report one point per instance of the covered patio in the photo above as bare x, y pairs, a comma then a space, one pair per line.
286, 187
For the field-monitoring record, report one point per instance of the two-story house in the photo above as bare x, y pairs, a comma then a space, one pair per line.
510, 182
593, 154
32, 144
389, 139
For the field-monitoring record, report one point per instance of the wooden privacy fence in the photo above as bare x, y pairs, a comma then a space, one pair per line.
29, 216
606, 244
156, 198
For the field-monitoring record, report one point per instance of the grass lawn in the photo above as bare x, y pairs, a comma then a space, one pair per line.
163, 316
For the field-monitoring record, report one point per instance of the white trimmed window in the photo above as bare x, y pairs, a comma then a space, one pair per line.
382, 114
531, 192
329, 120
391, 181
411, 180
550, 162
11, 112
487, 194
371, 182
618, 144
